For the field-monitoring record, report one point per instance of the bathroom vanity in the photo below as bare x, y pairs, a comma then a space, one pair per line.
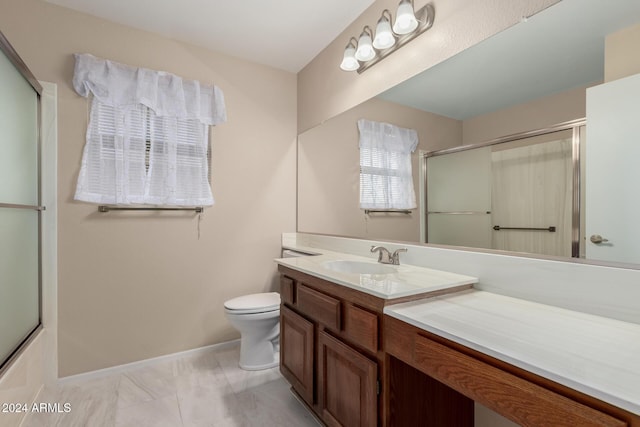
331, 339
329, 348
514, 390
420, 346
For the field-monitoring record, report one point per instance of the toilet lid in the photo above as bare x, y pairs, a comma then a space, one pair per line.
254, 303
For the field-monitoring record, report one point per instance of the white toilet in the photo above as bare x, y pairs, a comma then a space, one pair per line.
257, 318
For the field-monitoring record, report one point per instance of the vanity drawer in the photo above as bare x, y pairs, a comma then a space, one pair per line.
287, 289
516, 398
361, 327
318, 306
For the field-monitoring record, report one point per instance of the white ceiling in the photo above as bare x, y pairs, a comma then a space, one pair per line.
285, 34
558, 49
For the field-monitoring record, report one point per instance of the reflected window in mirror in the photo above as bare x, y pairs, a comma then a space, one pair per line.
386, 180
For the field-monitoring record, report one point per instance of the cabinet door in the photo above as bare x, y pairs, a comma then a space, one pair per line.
347, 384
296, 352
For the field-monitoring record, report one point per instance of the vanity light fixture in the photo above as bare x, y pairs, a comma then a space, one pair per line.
368, 50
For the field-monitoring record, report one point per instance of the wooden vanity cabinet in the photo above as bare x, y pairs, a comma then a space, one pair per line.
355, 367
519, 395
329, 349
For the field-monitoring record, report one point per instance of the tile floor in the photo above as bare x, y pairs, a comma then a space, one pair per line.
207, 389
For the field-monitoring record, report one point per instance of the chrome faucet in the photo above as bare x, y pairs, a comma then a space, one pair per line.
385, 257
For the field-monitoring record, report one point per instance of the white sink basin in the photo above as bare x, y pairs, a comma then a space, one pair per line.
358, 267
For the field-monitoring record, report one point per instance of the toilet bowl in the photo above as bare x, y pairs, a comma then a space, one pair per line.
257, 318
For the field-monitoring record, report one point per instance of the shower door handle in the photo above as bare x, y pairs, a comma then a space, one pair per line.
597, 239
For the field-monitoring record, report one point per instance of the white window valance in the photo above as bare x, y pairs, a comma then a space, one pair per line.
123, 86
147, 140
386, 180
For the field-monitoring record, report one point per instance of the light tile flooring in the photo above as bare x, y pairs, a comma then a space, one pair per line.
206, 389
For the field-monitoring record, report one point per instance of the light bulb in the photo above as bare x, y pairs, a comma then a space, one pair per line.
406, 20
349, 61
384, 38
365, 51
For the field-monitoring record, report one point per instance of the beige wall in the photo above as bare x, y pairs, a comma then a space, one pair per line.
329, 174
138, 285
537, 114
621, 53
324, 90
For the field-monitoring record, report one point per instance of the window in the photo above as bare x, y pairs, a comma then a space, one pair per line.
147, 140
134, 156
386, 181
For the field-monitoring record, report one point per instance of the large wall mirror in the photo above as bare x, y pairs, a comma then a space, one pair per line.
519, 98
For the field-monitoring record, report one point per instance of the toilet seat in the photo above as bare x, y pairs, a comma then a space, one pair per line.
254, 303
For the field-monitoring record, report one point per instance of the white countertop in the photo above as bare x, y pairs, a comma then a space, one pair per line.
405, 281
595, 355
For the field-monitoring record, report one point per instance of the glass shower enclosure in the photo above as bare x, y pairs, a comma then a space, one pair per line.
520, 193
20, 205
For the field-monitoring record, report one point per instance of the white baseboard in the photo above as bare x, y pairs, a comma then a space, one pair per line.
101, 373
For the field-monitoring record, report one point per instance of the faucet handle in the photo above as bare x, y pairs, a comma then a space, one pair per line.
396, 255
384, 256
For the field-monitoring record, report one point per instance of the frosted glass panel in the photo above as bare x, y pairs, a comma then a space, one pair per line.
460, 181
19, 311
460, 230
18, 137
532, 187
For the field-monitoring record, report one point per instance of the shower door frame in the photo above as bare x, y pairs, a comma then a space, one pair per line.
22, 68
574, 125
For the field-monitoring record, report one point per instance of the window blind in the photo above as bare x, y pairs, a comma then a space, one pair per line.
386, 180
134, 156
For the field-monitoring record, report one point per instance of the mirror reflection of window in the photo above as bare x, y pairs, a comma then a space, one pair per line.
386, 180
